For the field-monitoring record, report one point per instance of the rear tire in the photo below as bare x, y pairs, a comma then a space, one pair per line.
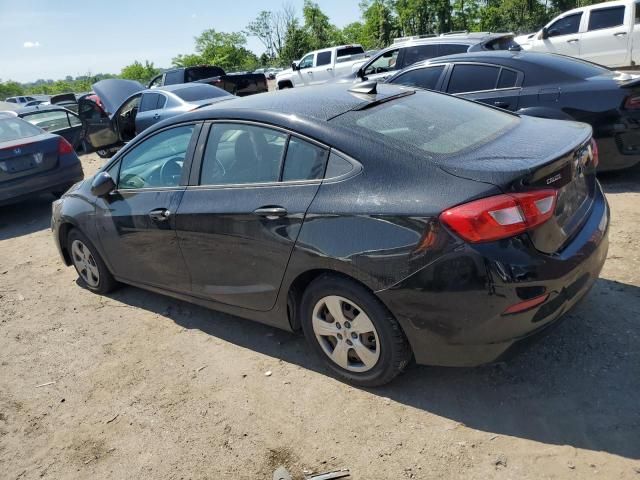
92, 271
105, 153
353, 332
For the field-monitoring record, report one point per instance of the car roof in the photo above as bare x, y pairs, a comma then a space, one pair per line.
504, 57
466, 38
322, 102
177, 86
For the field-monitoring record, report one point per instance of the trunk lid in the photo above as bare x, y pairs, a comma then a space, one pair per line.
28, 156
560, 159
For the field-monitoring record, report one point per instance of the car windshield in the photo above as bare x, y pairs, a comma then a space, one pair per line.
15, 128
432, 122
194, 93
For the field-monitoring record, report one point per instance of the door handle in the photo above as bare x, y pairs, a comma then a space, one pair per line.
500, 104
329, 69
618, 34
270, 213
160, 214
309, 73
156, 116
573, 40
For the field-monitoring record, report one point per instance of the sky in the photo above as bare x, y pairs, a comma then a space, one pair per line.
53, 39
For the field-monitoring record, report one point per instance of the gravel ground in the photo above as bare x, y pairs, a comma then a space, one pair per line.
137, 385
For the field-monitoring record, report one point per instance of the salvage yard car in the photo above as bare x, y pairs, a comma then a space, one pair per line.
548, 86
241, 84
33, 161
128, 108
603, 33
58, 120
386, 222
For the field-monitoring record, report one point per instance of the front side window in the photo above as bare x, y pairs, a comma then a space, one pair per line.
473, 78
416, 53
306, 62
49, 121
606, 18
157, 161
422, 78
565, 26
173, 77
384, 63
241, 154
304, 161
324, 58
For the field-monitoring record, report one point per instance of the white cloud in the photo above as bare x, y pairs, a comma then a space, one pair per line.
31, 44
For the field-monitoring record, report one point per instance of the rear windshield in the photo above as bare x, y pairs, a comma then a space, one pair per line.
432, 122
346, 51
574, 67
200, 73
15, 128
199, 92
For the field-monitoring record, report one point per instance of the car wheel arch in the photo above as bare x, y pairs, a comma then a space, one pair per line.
285, 84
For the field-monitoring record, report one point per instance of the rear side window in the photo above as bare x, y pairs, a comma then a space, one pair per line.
508, 78
422, 77
416, 53
606, 18
565, 26
304, 161
473, 78
149, 102
324, 58
451, 49
162, 100
430, 122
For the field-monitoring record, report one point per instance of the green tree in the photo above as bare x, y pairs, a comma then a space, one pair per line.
139, 72
226, 50
380, 25
188, 60
320, 31
353, 33
10, 89
296, 43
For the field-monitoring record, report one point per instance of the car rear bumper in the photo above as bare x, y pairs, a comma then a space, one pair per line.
50, 181
452, 310
619, 151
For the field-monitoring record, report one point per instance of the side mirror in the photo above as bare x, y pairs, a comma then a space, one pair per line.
544, 34
294, 66
102, 184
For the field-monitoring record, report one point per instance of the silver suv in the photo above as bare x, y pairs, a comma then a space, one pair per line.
406, 51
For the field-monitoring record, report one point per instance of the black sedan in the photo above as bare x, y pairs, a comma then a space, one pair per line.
33, 161
58, 120
383, 221
544, 85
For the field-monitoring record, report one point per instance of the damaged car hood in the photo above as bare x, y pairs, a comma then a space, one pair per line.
114, 91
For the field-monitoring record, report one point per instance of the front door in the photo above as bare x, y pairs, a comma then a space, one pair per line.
304, 74
99, 131
563, 36
238, 225
607, 38
136, 223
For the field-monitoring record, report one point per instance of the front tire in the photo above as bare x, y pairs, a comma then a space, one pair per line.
93, 272
353, 332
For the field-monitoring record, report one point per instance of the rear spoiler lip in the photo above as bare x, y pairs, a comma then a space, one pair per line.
634, 82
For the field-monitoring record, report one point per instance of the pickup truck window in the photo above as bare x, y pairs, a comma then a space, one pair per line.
348, 51
200, 73
637, 6
384, 63
173, 77
565, 26
606, 17
306, 62
324, 58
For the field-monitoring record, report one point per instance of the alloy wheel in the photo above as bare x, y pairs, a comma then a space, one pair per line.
346, 334
85, 263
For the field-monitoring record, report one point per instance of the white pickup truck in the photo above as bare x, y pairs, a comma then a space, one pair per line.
603, 33
320, 66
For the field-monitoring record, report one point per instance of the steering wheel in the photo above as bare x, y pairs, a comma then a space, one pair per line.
171, 172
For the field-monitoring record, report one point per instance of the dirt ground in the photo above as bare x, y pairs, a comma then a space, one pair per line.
137, 385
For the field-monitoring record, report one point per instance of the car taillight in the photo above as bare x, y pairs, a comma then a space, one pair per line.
501, 216
64, 147
595, 158
632, 102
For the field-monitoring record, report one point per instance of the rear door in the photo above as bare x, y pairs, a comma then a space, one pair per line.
607, 38
136, 223
322, 72
60, 122
491, 84
238, 222
150, 110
